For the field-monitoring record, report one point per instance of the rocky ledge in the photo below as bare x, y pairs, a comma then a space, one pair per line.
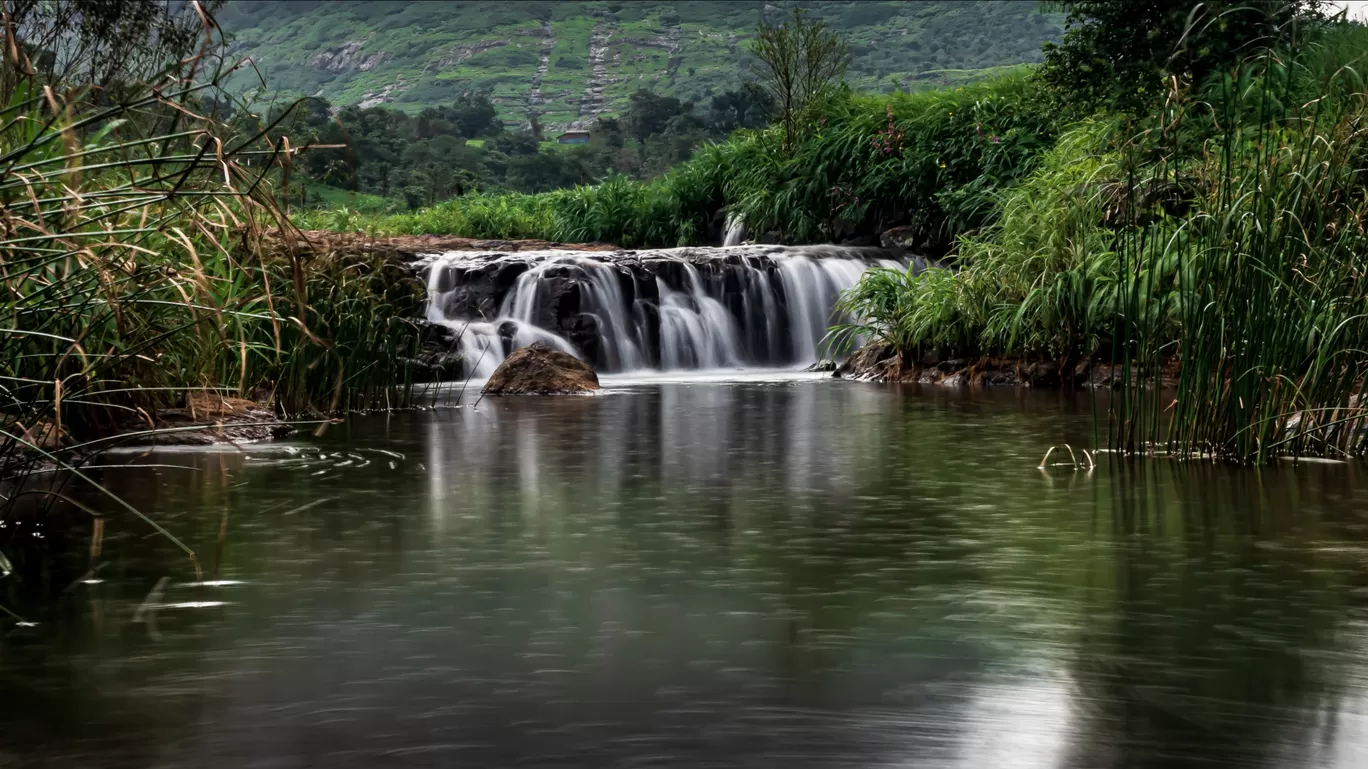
209, 418
879, 362
410, 248
541, 370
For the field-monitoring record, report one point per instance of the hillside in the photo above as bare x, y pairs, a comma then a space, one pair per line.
571, 61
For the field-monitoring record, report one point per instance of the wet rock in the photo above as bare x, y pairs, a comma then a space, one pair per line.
1044, 373
823, 365
541, 370
210, 418
608, 306
43, 433
878, 362
904, 238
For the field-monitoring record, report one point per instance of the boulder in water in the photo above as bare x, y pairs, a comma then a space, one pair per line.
824, 364
539, 369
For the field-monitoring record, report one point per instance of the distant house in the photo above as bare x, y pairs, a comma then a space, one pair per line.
573, 137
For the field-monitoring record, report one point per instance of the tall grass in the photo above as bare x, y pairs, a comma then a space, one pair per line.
1219, 245
1263, 279
136, 268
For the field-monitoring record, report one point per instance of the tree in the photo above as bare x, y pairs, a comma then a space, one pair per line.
515, 145
735, 109
648, 114
798, 65
1119, 53
474, 116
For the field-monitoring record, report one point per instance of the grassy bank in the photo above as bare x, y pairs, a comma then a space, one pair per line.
932, 160
137, 270
1219, 233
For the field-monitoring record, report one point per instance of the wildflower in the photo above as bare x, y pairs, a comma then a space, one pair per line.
995, 139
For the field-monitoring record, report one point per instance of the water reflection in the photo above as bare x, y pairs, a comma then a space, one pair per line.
796, 573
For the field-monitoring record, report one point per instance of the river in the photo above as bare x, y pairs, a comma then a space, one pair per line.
733, 570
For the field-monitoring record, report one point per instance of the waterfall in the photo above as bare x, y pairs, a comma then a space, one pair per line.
735, 230
689, 308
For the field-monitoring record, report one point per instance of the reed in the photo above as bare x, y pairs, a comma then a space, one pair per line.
136, 267
1262, 278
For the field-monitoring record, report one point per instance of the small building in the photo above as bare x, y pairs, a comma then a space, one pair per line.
573, 137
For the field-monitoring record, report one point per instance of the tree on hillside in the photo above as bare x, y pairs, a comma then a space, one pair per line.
735, 109
1120, 52
474, 116
648, 114
798, 64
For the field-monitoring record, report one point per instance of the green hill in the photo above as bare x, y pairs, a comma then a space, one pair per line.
571, 61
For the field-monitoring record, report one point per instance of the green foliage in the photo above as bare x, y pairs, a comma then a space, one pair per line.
138, 268
1222, 244
932, 160
1120, 53
419, 161
1257, 290
935, 161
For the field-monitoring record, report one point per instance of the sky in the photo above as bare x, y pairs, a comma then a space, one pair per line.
1358, 9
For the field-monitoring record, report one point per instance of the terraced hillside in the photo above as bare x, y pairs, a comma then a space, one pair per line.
569, 62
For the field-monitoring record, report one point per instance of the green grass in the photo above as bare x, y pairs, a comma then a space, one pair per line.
329, 197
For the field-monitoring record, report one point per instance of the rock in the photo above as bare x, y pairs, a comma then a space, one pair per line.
540, 370
210, 418
1043, 373
822, 365
904, 238
878, 362
44, 433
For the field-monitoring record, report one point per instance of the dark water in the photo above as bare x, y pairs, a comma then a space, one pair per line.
786, 574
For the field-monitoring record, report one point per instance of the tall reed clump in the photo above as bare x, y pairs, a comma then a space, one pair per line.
1262, 278
137, 267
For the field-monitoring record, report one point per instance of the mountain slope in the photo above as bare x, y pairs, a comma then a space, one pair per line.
571, 61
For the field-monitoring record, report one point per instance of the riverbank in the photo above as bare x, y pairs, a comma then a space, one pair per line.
881, 362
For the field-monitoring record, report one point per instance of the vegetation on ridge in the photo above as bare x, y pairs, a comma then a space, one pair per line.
543, 57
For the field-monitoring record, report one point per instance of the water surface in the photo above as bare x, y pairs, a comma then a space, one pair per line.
728, 571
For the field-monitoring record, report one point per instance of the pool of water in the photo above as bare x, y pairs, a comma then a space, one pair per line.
730, 571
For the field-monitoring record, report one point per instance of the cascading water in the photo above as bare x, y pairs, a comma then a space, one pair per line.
688, 308
735, 230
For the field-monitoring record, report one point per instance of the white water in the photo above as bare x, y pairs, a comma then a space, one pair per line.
736, 230
688, 309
